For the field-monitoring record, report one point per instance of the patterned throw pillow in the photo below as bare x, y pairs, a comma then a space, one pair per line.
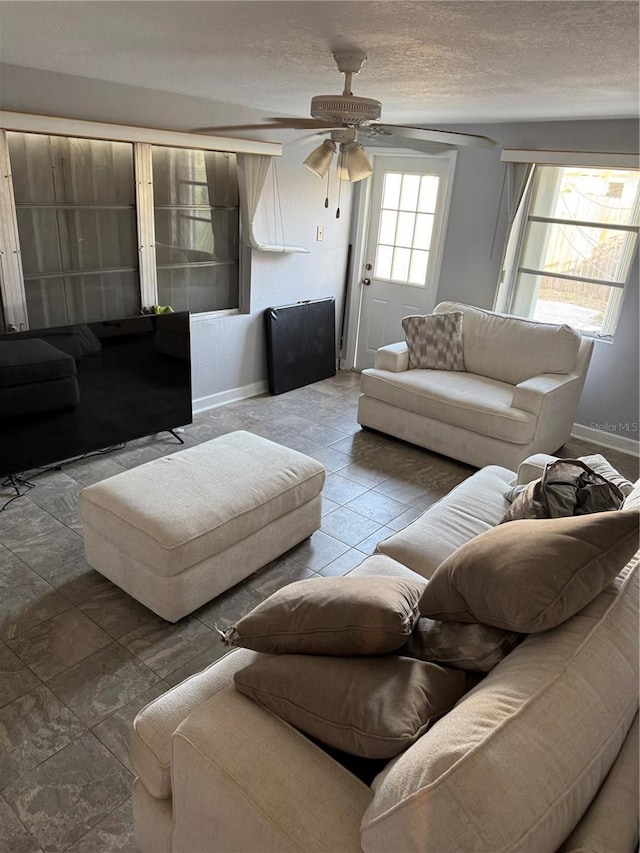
435, 341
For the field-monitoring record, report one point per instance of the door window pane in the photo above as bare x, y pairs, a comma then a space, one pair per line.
400, 266
424, 229
391, 191
384, 259
418, 267
404, 234
388, 222
428, 194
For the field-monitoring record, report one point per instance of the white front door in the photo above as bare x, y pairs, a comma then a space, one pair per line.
402, 247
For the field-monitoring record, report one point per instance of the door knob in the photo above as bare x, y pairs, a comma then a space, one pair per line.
366, 281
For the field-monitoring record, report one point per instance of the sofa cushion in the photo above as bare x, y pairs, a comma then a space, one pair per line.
470, 646
373, 707
513, 767
332, 616
434, 341
611, 822
511, 349
465, 400
473, 507
532, 575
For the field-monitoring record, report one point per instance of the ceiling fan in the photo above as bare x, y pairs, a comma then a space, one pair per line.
345, 117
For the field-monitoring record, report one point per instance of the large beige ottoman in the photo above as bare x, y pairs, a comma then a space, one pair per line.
178, 531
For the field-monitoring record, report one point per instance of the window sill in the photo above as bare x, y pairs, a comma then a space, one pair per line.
214, 315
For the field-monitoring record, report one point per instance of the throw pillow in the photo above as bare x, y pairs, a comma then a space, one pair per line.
531, 575
435, 341
470, 646
332, 616
373, 707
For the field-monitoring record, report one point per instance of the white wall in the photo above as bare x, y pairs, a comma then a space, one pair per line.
228, 352
470, 269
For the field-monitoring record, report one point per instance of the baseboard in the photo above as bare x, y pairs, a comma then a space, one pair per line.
606, 438
212, 401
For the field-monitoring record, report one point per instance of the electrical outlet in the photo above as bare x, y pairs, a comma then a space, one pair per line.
320, 232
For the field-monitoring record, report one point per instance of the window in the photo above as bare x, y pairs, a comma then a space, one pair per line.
196, 228
75, 209
89, 213
406, 227
571, 247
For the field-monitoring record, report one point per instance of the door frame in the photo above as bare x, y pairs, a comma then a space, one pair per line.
360, 230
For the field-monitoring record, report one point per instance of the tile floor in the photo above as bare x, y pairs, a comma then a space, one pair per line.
78, 657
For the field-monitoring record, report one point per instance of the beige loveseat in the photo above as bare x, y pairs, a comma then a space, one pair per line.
516, 396
541, 756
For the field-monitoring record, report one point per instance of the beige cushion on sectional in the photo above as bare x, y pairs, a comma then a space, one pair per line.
612, 819
473, 507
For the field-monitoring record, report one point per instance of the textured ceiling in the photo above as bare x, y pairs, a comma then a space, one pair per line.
442, 61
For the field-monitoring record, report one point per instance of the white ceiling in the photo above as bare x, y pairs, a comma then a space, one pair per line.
429, 62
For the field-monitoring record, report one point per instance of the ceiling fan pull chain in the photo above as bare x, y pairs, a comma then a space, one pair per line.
326, 201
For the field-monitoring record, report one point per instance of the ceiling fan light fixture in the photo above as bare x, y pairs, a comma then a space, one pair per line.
320, 158
353, 163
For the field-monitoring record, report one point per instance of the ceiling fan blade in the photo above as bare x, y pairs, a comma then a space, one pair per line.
444, 137
307, 138
270, 124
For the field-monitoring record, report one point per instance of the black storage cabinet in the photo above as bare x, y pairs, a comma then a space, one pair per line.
301, 343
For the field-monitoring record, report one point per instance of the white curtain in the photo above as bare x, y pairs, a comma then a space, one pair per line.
518, 175
518, 178
252, 174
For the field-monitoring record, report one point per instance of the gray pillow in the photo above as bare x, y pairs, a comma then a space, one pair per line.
434, 341
374, 707
332, 616
462, 645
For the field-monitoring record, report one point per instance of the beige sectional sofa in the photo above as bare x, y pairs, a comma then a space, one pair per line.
541, 756
516, 396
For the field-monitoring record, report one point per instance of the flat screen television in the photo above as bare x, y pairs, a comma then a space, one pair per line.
72, 390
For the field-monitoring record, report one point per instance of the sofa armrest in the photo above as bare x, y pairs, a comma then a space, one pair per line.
530, 395
533, 467
244, 780
393, 357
